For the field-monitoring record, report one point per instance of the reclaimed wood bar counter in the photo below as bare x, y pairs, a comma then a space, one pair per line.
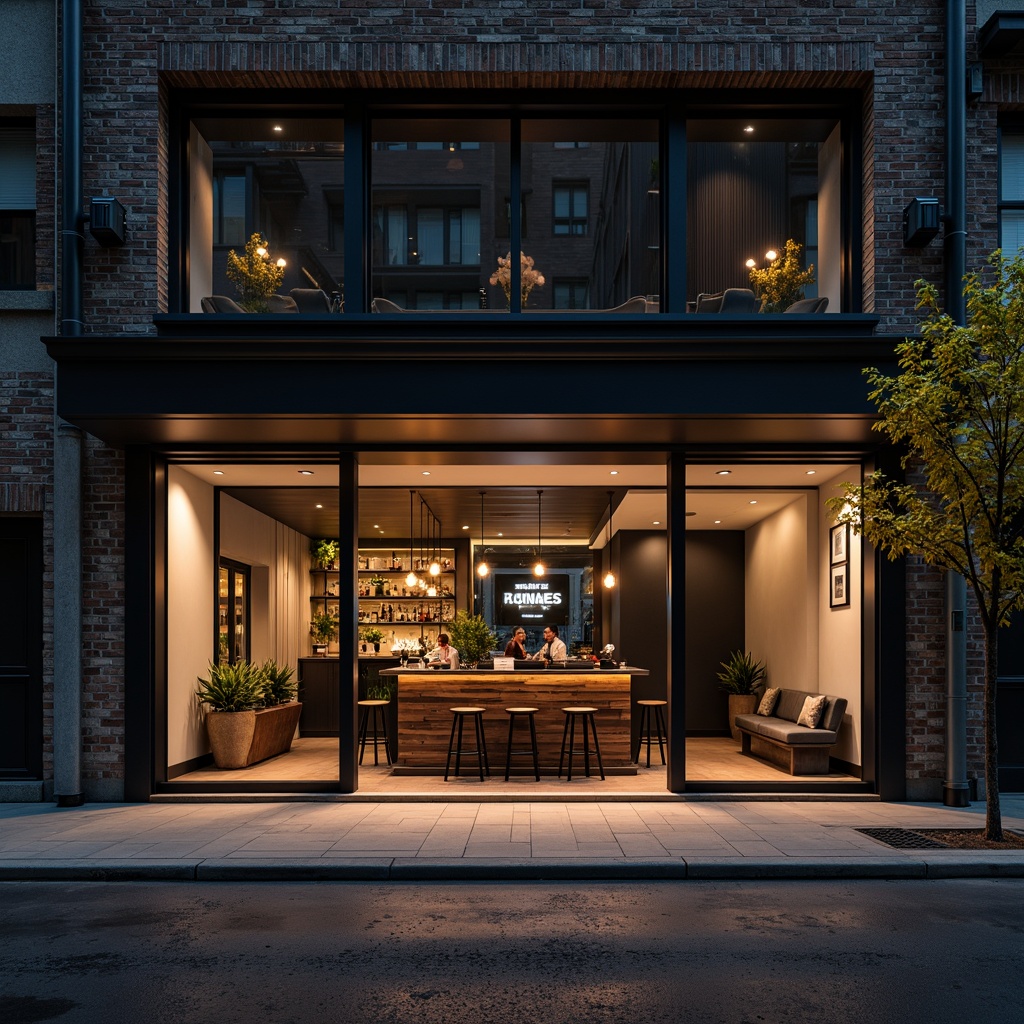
425, 721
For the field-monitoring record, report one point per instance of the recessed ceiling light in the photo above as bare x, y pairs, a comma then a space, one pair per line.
501, 535
305, 472
657, 522
426, 472
278, 128
723, 472
749, 129
218, 472
811, 472
614, 472
376, 526
754, 502
718, 522
319, 506
465, 527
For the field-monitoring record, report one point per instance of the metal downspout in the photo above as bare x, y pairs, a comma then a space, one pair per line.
955, 789
67, 460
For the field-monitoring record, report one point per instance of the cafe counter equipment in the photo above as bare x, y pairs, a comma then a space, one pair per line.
426, 695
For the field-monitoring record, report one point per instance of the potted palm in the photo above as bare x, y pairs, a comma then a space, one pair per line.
471, 637
251, 712
742, 679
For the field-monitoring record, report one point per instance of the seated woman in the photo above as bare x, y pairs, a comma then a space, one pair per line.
515, 647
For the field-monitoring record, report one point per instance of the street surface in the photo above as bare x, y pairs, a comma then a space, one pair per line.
300, 953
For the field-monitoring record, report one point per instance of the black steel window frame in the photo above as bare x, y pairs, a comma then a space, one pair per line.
672, 108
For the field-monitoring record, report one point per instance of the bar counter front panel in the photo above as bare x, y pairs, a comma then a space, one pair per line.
425, 697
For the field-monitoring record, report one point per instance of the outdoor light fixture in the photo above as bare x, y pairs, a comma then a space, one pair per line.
482, 569
609, 576
107, 221
538, 569
410, 580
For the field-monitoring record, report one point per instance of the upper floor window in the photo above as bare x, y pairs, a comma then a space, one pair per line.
1011, 191
571, 209
17, 208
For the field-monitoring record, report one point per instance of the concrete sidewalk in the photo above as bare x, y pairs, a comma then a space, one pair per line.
691, 838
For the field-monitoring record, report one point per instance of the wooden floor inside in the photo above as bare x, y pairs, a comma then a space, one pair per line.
708, 759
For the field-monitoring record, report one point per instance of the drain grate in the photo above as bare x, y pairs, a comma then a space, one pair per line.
902, 839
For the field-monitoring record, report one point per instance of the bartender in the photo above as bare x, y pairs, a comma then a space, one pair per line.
443, 653
554, 647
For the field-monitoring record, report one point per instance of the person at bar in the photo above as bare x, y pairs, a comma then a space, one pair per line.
443, 653
515, 647
554, 647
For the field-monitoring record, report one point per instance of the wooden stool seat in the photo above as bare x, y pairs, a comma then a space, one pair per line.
585, 714
459, 716
529, 713
373, 709
646, 706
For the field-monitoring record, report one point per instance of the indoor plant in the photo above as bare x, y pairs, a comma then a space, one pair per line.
529, 278
242, 725
325, 553
372, 635
782, 281
471, 637
323, 631
255, 274
742, 679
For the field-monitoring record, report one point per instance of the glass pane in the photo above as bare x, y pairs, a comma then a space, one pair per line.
241, 625
223, 630
1011, 232
1011, 167
751, 187
282, 178
570, 170
453, 198
18, 249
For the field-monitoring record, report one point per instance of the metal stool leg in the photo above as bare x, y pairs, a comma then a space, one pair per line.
481, 750
572, 743
640, 734
482, 744
662, 732
597, 748
533, 743
561, 756
451, 741
508, 755
364, 714
383, 732
458, 749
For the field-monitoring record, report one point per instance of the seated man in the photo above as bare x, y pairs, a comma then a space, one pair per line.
554, 647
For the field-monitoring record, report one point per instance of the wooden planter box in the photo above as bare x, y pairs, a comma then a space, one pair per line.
241, 738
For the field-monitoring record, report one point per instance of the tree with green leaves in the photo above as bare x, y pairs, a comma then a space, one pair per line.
957, 408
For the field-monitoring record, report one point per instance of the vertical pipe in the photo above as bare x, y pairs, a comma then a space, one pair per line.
955, 787
67, 443
676, 660
348, 629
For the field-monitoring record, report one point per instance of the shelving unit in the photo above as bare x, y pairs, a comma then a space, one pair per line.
386, 600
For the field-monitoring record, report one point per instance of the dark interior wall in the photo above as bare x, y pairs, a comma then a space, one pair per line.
714, 623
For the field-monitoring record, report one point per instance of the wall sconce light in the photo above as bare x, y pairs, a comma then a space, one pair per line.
920, 221
107, 221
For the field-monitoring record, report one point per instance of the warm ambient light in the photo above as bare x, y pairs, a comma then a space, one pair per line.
282, 263
770, 255
538, 569
309, 472
278, 128
750, 264
218, 472
609, 576
749, 129
482, 569
411, 580
609, 580
723, 472
319, 506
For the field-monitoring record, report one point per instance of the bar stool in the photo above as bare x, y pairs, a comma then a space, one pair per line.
585, 714
373, 709
646, 706
461, 714
528, 713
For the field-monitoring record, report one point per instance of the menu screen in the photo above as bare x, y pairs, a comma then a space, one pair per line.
531, 600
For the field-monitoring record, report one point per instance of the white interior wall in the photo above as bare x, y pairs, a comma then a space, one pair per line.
279, 622
828, 272
190, 610
781, 581
200, 225
839, 629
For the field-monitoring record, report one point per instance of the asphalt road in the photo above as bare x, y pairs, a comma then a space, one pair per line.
733, 952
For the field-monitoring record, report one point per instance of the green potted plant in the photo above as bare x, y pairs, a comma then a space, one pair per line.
323, 630
377, 582
782, 281
372, 635
325, 553
242, 724
256, 274
742, 679
471, 637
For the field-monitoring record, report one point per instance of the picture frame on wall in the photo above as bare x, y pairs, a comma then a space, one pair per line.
839, 585
839, 543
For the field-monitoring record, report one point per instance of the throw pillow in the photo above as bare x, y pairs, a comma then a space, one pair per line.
813, 709
768, 701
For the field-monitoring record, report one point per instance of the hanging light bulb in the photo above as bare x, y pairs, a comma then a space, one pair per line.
435, 562
609, 576
411, 580
482, 569
538, 569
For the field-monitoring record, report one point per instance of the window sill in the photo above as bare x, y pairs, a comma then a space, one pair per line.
27, 301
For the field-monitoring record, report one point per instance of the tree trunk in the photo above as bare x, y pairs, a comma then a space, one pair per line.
993, 815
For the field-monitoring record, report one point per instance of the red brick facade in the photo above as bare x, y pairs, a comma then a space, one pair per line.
137, 55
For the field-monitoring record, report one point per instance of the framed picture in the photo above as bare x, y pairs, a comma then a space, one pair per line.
839, 586
839, 543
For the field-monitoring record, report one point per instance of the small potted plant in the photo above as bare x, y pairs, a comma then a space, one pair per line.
323, 630
325, 553
256, 274
377, 582
372, 635
782, 281
742, 679
471, 637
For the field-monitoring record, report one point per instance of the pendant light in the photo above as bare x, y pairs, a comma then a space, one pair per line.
482, 569
538, 569
411, 580
435, 561
435, 566
609, 576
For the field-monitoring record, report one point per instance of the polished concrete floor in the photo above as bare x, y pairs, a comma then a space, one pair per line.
316, 759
